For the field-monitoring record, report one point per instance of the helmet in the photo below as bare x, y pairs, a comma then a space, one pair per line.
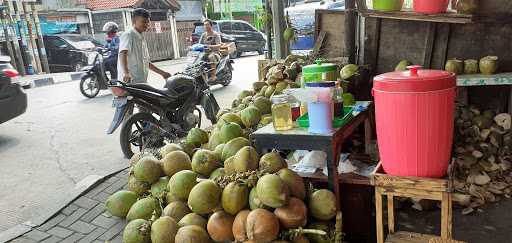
110, 27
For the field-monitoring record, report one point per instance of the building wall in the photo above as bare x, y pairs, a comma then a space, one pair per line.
191, 10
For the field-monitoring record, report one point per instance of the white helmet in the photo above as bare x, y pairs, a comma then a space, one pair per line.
110, 27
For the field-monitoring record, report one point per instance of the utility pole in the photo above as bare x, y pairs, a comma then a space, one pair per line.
7, 38
40, 41
268, 28
32, 41
279, 26
20, 63
23, 37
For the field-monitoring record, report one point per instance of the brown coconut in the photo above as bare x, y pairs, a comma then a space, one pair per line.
293, 215
239, 225
220, 226
262, 225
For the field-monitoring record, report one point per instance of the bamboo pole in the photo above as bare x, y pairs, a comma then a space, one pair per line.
20, 63
23, 37
43, 56
32, 41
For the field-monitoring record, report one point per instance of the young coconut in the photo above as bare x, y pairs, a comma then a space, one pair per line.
164, 230
217, 173
232, 147
293, 215
159, 189
262, 225
192, 234
239, 226
220, 226
171, 147
272, 191
144, 209
174, 162
229, 131
176, 210
229, 117
137, 186
204, 162
182, 183
294, 182
193, 219
250, 116
137, 231
272, 162
246, 159
204, 197
322, 204
119, 203
147, 170
254, 201
234, 197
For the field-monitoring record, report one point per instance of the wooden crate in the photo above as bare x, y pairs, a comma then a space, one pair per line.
414, 187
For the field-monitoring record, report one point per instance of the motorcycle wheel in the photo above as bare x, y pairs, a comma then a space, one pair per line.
136, 131
89, 86
227, 78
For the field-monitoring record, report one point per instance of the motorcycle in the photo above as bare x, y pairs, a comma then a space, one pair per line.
224, 68
94, 77
164, 114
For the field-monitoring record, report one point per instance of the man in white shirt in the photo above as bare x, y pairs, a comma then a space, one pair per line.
134, 62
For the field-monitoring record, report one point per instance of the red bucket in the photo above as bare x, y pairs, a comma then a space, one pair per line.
414, 117
430, 6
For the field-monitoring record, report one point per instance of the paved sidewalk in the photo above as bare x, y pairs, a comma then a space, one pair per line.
83, 220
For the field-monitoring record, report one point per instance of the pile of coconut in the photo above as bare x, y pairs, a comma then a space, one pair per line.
482, 155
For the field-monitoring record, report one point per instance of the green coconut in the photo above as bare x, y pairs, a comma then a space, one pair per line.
348, 71
251, 116
144, 208
119, 203
256, 86
217, 173
244, 94
234, 197
294, 182
229, 131
455, 66
220, 226
221, 112
205, 161
317, 238
147, 170
218, 150
270, 91
204, 197
174, 162
176, 210
254, 201
272, 191
137, 231
246, 159
171, 197
266, 119
182, 183
197, 136
280, 87
164, 230
159, 189
135, 158
262, 226
263, 104
229, 166
489, 65
247, 100
263, 90
272, 162
188, 148
235, 103
137, 186
232, 147
322, 204
471, 66
214, 139
288, 34
229, 117
192, 234
193, 219
402, 65
169, 148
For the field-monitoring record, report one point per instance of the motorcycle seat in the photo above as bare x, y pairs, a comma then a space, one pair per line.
150, 88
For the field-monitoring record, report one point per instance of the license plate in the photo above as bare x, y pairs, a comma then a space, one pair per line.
119, 102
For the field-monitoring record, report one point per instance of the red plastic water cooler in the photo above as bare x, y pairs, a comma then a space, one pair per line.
414, 117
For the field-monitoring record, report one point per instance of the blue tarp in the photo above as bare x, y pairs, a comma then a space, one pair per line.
54, 27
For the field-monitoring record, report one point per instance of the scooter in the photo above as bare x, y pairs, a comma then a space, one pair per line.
224, 68
94, 77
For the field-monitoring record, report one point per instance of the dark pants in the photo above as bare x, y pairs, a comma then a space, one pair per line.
111, 66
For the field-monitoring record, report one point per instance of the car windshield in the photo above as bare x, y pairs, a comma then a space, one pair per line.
82, 42
200, 28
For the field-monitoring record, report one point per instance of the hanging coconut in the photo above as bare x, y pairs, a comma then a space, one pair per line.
272, 162
192, 234
164, 230
182, 183
176, 210
137, 231
272, 191
119, 203
262, 226
322, 204
234, 197
488, 65
220, 227
471, 66
293, 215
204, 197
239, 226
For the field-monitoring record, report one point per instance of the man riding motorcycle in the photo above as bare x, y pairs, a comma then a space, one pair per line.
212, 40
112, 46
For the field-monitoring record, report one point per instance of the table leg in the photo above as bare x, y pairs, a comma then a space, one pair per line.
391, 214
446, 216
378, 215
332, 172
368, 130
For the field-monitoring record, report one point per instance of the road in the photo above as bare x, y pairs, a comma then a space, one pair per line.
61, 139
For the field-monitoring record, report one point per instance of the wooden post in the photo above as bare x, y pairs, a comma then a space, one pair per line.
42, 50
378, 215
20, 63
23, 37
279, 26
268, 29
174, 34
32, 41
7, 38
350, 29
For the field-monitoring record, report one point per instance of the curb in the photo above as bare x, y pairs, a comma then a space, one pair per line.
80, 189
36, 81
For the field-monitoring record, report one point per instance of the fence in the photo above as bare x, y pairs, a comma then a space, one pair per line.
184, 30
159, 41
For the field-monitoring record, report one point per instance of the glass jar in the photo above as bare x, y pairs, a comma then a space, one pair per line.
281, 113
295, 106
337, 100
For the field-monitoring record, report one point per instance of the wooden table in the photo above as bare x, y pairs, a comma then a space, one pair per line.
331, 144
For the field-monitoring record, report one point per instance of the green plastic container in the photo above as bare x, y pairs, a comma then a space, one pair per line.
388, 5
337, 122
319, 72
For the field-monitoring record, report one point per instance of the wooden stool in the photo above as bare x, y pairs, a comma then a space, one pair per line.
415, 187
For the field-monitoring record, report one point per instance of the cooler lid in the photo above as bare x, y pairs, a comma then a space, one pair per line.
319, 67
415, 80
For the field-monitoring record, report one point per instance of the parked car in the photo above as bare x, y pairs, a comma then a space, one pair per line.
70, 52
246, 37
13, 100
